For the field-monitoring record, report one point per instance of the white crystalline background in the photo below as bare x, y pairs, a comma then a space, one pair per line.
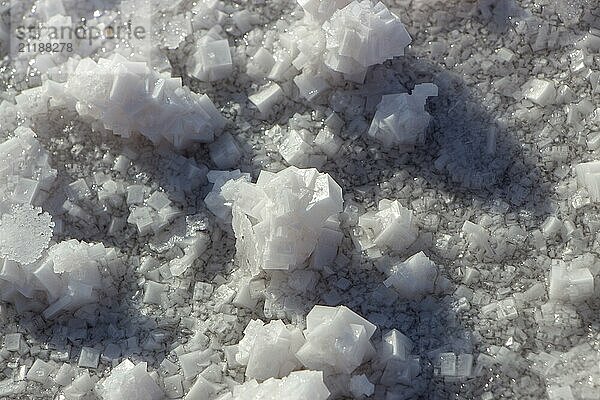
303, 200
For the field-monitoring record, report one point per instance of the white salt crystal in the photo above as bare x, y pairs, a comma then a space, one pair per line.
25, 232
588, 176
395, 345
298, 385
392, 226
414, 277
88, 358
225, 152
264, 241
267, 98
539, 91
401, 119
336, 338
129, 381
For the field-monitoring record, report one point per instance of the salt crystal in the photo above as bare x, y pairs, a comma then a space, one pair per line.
267, 98
539, 91
88, 358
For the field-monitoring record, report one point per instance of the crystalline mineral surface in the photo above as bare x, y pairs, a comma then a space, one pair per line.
129, 381
298, 385
129, 97
337, 339
278, 221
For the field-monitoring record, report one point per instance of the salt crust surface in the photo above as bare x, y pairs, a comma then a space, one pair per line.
448, 251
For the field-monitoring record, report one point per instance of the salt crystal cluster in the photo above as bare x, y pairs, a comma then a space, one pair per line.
572, 282
129, 381
75, 273
279, 220
299, 385
337, 340
401, 120
393, 227
128, 97
400, 366
212, 59
337, 39
413, 278
360, 35
268, 350
25, 172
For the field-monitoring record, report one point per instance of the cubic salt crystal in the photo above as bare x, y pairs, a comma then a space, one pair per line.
310, 86
267, 98
392, 226
401, 119
214, 201
193, 363
260, 64
395, 345
129, 381
337, 339
129, 97
588, 176
268, 351
573, 283
12, 341
539, 91
298, 385
201, 389
213, 61
153, 292
294, 149
25, 172
360, 35
414, 277
225, 152
88, 358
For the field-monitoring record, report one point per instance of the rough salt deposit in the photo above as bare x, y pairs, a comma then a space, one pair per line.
299, 199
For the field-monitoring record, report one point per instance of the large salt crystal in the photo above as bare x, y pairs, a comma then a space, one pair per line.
129, 381
298, 385
268, 351
413, 278
126, 97
360, 35
278, 220
393, 226
25, 173
539, 91
401, 119
212, 59
588, 176
266, 98
570, 282
337, 339
214, 201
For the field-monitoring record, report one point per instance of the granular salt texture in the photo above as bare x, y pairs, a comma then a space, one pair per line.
268, 350
25, 172
298, 385
393, 227
401, 119
278, 221
337, 340
127, 97
413, 278
25, 233
129, 381
360, 35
